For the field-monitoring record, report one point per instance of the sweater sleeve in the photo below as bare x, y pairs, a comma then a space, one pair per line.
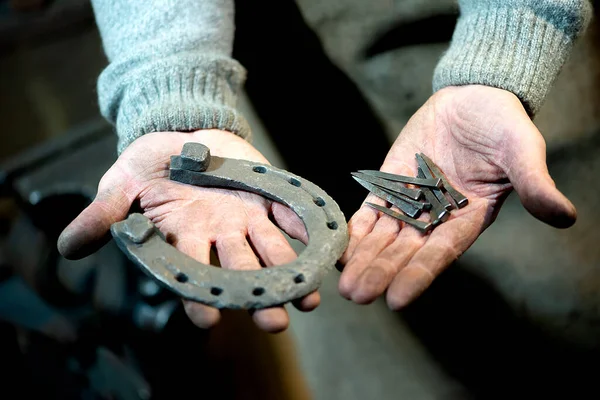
170, 67
516, 45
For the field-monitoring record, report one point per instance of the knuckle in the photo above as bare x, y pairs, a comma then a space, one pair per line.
413, 242
449, 250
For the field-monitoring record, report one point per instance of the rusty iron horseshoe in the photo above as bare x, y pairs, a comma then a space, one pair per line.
325, 224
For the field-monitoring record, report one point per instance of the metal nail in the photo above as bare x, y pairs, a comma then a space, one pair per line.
433, 183
404, 206
437, 191
414, 194
457, 196
423, 227
438, 212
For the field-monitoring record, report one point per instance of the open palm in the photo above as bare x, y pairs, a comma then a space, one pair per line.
485, 143
236, 224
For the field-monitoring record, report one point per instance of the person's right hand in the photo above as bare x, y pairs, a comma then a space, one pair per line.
236, 223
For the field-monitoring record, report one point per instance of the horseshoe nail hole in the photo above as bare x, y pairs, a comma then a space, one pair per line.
170, 238
258, 291
299, 278
215, 291
181, 277
332, 225
319, 201
259, 169
295, 182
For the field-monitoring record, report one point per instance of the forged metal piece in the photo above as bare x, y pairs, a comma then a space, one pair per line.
421, 226
386, 195
325, 224
438, 213
457, 196
432, 183
192, 158
437, 191
419, 205
413, 194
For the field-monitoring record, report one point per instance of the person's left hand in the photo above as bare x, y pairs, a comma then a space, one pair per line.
486, 144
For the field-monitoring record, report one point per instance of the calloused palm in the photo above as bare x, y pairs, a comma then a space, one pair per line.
486, 144
237, 224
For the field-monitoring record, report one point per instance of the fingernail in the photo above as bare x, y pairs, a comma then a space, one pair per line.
346, 286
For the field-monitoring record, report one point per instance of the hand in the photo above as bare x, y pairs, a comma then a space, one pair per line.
485, 143
195, 218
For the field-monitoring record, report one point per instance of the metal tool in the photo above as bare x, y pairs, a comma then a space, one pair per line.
420, 205
433, 186
413, 194
457, 196
423, 227
406, 207
325, 224
432, 183
436, 191
391, 188
438, 213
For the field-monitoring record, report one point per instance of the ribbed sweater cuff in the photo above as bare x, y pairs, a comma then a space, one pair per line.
190, 95
506, 48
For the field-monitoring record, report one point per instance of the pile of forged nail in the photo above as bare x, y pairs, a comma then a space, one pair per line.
428, 193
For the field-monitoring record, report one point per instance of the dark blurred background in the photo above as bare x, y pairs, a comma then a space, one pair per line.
519, 316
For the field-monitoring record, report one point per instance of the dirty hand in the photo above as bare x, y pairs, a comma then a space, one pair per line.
236, 223
485, 143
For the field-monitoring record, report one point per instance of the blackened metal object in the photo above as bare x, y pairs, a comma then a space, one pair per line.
437, 191
423, 227
192, 158
420, 205
438, 213
457, 196
413, 194
432, 183
386, 195
325, 224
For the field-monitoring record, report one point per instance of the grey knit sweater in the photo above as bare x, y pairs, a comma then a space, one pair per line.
171, 67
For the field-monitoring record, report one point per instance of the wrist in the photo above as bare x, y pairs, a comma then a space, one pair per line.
476, 96
184, 93
162, 145
482, 113
518, 49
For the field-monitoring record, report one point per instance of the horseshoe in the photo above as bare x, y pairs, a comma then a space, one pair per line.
325, 224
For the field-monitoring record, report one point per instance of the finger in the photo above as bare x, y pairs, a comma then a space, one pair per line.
274, 249
308, 303
382, 235
529, 175
364, 220
443, 246
90, 230
201, 315
270, 244
289, 222
360, 225
235, 253
376, 278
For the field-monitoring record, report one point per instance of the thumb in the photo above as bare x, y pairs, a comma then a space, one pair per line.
90, 230
528, 173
